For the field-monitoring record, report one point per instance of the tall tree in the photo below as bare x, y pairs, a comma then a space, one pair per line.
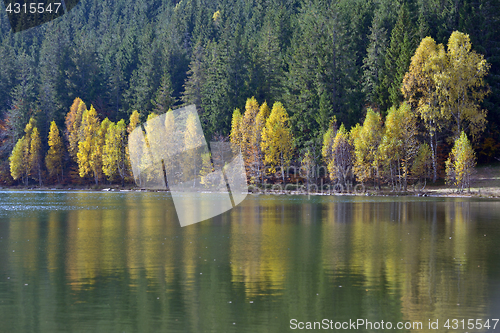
235, 135
399, 145
247, 127
340, 161
87, 147
419, 89
373, 63
54, 157
366, 139
195, 78
461, 87
18, 166
256, 158
397, 59
35, 159
73, 123
277, 139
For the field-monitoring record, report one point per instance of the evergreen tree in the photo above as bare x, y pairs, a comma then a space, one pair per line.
164, 99
374, 60
397, 60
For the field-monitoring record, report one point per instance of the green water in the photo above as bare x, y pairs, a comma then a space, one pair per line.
120, 262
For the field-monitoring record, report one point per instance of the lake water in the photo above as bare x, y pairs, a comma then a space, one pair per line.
120, 262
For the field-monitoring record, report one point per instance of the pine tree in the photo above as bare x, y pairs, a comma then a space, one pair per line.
195, 78
374, 60
22, 95
164, 99
397, 60
54, 157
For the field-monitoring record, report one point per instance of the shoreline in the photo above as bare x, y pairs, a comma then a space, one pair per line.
437, 192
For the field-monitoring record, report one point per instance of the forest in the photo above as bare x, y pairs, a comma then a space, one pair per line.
320, 67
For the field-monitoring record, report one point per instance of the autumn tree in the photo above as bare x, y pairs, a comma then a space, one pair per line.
134, 121
20, 156
114, 153
87, 147
97, 152
341, 157
18, 167
73, 122
307, 166
366, 139
399, 144
256, 158
149, 159
461, 86
192, 140
422, 165
461, 163
328, 138
54, 157
35, 156
277, 139
420, 90
206, 169
246, 127
235, 135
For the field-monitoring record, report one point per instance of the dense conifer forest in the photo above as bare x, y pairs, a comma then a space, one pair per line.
326, 63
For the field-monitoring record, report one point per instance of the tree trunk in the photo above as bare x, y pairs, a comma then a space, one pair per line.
434, 167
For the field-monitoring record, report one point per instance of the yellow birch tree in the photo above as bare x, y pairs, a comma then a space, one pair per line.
366, 140
277, 139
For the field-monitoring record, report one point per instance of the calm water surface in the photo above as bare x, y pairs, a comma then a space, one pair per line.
120, 262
